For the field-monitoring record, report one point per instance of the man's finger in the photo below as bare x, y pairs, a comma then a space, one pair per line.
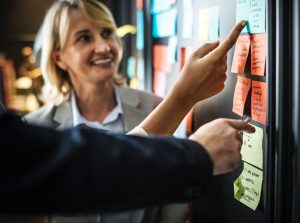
241, 125
206, 48
230, 40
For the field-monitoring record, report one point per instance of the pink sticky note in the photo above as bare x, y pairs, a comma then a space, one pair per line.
160, 83
185, 53
258, 54
242, 88
241, 53
258, 101
160, 58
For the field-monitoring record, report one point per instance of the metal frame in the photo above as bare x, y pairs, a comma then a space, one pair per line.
283, 141
269, 176
148, 45
296, 111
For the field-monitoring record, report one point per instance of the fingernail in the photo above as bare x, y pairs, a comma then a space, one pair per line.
244, 23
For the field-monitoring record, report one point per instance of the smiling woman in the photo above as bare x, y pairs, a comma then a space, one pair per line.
81, 54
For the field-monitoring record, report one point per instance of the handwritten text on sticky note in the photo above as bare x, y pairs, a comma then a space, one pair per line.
247, 188
243, 12
258, 102
252, 149
241, 53
258, 54
240, 95
258, 16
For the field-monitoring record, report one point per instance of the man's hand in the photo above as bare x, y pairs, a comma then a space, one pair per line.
222, 140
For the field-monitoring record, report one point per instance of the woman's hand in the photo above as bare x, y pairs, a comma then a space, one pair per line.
204, 73
202, 76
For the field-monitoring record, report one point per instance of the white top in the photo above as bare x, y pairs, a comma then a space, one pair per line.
112, 122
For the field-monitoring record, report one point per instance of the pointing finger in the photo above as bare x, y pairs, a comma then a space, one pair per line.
230, 40
241, 125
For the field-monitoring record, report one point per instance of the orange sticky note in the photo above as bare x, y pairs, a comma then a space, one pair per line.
185, 53
258, 54
160, 83
258, 102
241, 53
241, 91
139, 4
160, 58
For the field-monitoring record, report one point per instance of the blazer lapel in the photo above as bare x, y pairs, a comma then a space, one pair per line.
63, 116
132, 114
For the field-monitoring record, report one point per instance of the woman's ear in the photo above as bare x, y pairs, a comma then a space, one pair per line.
56, 56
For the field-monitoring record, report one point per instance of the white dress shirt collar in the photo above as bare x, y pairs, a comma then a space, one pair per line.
111, 118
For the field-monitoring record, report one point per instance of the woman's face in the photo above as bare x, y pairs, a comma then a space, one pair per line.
91, 53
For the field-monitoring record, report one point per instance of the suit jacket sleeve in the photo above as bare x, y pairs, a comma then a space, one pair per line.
81, 170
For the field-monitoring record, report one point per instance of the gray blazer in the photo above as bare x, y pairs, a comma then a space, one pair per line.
136, 106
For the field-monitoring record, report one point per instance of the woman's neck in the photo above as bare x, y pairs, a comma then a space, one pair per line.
95, 102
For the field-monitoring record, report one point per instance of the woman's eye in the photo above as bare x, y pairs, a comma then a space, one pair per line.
106, 33
83, 38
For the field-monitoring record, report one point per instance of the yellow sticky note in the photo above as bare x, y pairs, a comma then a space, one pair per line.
247, 188
252, 149
203, 24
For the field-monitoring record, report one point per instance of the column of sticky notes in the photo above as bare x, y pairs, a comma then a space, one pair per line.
250, 97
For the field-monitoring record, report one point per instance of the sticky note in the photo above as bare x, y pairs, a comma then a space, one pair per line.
240, 94
160, 83
241, 53
134, 83
161, 5
187, 23
131, 63
160, 58
214, 23
258, 54
252, 148
257, 21
243, 12
209, 23
139, 4
185, 53
248, 186
140, 30
187, 4
258, 102
164, 24
203, 24
172, 51
141, 73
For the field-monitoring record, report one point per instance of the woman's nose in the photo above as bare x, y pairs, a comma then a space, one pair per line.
102, 46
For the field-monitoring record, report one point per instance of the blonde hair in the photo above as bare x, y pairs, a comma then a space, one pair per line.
55, 28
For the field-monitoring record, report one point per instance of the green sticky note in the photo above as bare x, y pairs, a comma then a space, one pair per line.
243, 12
247, 188
258, 16
131, 63
252, 149
238, 189
214, 23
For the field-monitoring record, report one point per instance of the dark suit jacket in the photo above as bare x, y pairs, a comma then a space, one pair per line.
84, 171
